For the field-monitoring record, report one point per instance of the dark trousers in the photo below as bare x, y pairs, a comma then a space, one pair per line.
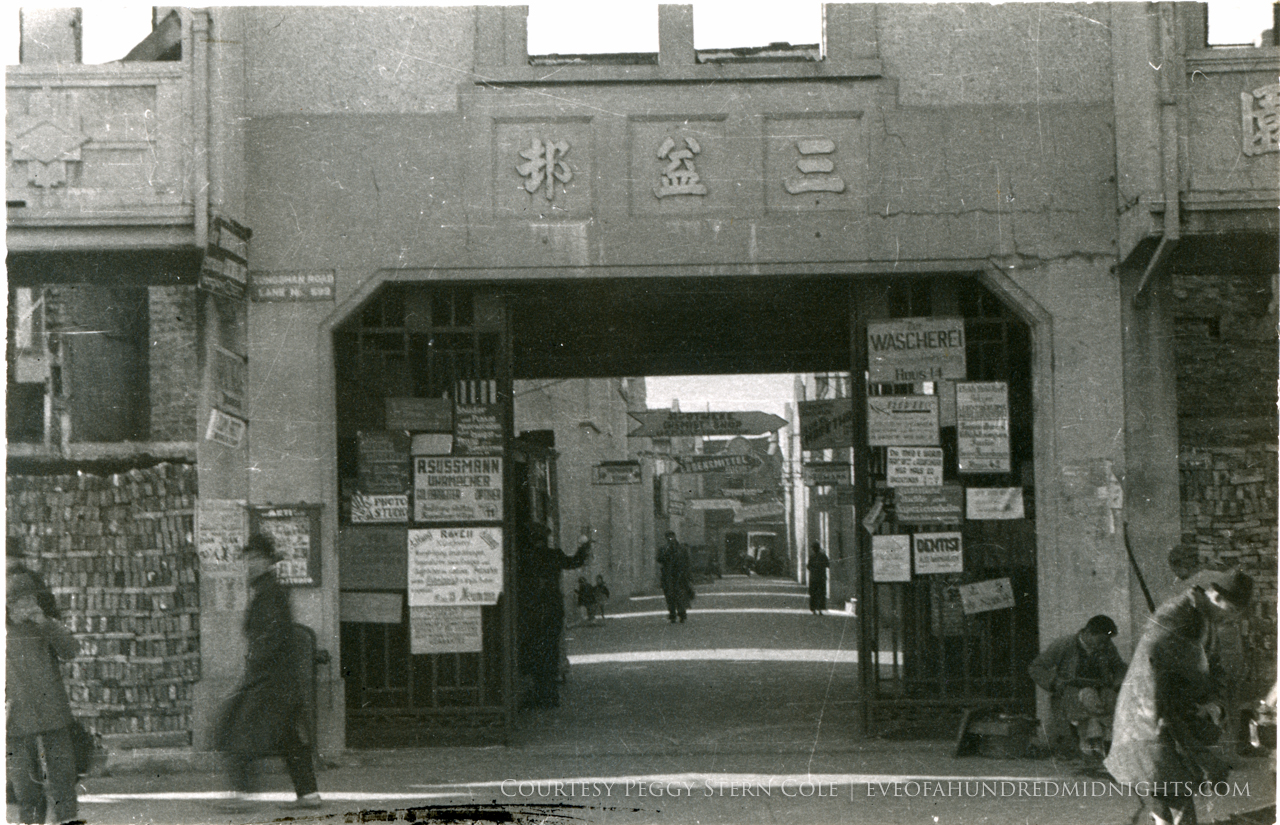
36, 781
242, 768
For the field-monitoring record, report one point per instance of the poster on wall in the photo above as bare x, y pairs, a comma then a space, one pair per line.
994, 503
444, 630
455, 488
477, 429
902, 419
368, 509
937, 553
943, 504
982, 426
296, 530
382, 462
913, 466
455, 566
980, 597
891, 558
826, 425
224, 429
912, 350
222, 529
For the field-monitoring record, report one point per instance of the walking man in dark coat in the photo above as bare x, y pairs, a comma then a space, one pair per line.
818, 564
673, 559
1165, 721
267, 716
541, 612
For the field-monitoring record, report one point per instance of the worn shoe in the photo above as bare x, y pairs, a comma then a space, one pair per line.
311, 800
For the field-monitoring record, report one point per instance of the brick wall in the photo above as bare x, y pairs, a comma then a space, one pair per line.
174, 377
118, 552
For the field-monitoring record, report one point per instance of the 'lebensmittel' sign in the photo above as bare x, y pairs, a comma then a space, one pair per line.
911, 350
982, 427
454, 488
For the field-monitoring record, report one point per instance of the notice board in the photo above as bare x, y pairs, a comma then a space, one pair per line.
296, 530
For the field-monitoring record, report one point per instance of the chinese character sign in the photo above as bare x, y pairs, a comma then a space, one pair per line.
817, 171
1261, 122
545, 164
679, 177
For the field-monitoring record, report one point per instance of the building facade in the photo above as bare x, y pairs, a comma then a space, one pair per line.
375, 237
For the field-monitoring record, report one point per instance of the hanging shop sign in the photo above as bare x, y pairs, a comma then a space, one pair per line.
477, 429
994, 503
296, 530
382, 462
717, 463
902, 419
295, 286
911, 350
372, 509
456, 488
224, 429
980, 597
434, 415
890, 559
455, 566
827, 424
616, 472
937, 553
827, 474
444, 630
913, 466
667, 424
224, 270
940, 504
982, 426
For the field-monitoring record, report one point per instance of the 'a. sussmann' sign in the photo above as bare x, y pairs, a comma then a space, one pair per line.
450, 488
910, 350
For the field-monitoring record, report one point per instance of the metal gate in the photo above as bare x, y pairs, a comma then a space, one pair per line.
926, 652
412, 341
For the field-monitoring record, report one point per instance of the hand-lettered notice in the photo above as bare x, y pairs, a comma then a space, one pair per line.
455, 566
982, 426
994, 503
444, 630
891, 558
913, 466
455, 488
894, 420
993, 594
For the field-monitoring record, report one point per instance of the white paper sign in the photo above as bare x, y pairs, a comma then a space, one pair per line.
993, 594
371, 509
908, 350
982, 427
902, 419
222, 529
938, 553
993, 503
913, 466
457, 488
444, 630
891, 558
455, 566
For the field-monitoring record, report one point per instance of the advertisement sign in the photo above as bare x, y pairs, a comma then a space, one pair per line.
763, 510
370, 509
827, 474
668, 424
994, 503
616, 472
222, 529
902, 420
230, 375
979, 597
433, 415
455, 566
477, 429
891, 558
444, 630
826, 425
452, 488
938, 553
296, 530
942, 504
737, 463
913, 466
982, 426
382, 462
910, 350
224, 429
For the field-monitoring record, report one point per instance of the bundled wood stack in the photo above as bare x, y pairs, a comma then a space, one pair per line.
118, 552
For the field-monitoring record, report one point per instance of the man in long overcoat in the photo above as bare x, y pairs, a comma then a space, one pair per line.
267, 715
1164, 725
818, 564
541, 612
673, 559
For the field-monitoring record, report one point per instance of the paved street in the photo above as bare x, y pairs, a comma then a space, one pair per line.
743, 714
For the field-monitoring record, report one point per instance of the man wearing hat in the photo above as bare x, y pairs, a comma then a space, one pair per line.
1081, 674
1168, 711
267, 715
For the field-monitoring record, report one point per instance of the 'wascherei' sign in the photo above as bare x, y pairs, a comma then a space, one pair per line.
911, 350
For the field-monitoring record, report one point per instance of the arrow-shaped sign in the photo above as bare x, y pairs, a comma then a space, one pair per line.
667, 424
717, 463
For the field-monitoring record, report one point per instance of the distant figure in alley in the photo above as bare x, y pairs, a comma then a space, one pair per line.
818, 564
674, 563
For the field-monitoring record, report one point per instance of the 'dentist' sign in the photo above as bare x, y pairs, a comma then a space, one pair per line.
911, 350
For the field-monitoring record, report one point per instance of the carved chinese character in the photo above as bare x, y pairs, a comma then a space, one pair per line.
1261, 125
47, 138
680, 177
545, 164
816, 172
